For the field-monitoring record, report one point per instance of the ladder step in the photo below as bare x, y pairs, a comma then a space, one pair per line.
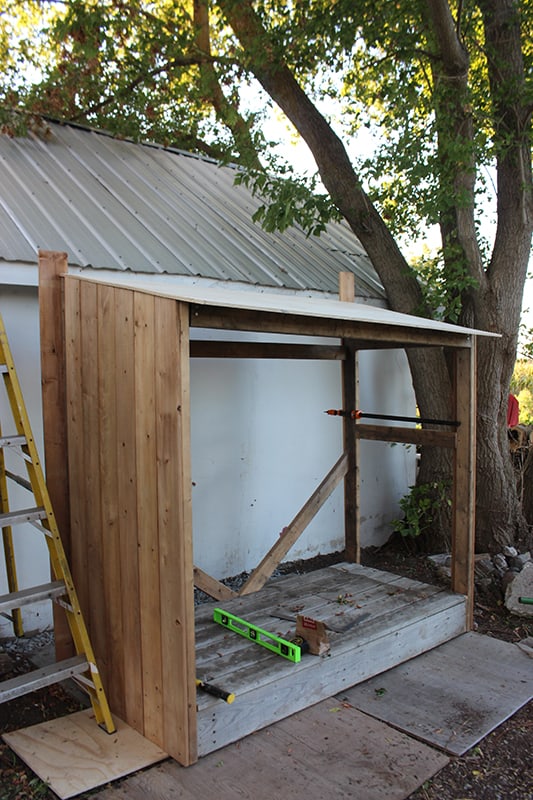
46, 591
19, 479
24, 515
15, 440
31, 681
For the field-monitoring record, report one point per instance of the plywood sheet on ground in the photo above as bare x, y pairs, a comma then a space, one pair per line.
73, 754
329, 750
452, 696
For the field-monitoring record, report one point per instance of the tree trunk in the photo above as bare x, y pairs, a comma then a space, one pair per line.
499, 515
494, 305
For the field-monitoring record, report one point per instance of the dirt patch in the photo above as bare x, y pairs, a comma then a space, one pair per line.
499, 768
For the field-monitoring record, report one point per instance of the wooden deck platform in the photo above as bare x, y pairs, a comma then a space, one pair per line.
376, 620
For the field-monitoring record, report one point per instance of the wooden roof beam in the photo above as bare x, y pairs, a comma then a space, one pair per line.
373, 335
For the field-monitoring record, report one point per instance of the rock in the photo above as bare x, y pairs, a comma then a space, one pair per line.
510, 551
441, 559
483, 567
500, 563
521, 586
508, 578
6, 662
443, 565
526, 645
517, 562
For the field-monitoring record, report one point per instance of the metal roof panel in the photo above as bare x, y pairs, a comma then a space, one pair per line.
115, 204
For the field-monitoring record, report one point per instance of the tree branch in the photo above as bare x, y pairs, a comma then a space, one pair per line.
344, 188
456, 136
335, 169
226, 112
512, 121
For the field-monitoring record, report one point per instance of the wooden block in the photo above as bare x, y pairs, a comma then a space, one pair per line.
73, 755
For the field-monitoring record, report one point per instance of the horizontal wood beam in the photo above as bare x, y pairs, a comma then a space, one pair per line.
373, 334
293, 531
384, 433
212, 587
225, 349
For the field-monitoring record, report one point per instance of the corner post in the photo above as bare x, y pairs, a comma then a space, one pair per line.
350, 400
463, 522
54, 405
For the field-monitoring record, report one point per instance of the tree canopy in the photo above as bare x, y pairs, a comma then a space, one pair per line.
442, 87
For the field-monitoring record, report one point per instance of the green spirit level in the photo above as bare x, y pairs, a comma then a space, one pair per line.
276, 644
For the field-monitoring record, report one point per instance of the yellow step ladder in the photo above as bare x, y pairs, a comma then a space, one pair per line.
82, 667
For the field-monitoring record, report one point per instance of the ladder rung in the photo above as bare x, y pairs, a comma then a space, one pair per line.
46, 591
31, 681
24, 515
15, 440
19, 479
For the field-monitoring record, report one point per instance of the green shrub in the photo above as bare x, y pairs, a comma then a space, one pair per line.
420, 508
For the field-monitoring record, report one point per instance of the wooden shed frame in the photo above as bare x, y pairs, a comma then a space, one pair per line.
115, 376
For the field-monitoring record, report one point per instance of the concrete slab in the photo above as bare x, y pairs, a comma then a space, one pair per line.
452, 696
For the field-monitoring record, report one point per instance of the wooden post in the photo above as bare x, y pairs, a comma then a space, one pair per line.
346, 287
463, 523
51, 266
350, 400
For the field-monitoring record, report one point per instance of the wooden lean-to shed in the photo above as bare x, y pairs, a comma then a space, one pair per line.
126, 209
126, 380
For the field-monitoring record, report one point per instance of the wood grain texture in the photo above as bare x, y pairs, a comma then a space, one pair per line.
452, 696
147, 520
463, 506
274, 350
327, 751
296, 527
175, 529
211, 586
375, 335
92, 489
421, 436
76, 442
111, 658
128, 401
350, 399
129, 494
346, 287
72, 754
52, 266
394, 619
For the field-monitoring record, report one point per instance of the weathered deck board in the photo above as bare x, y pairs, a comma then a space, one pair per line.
399, 619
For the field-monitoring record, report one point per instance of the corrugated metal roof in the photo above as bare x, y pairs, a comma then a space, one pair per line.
114, 204
284, 304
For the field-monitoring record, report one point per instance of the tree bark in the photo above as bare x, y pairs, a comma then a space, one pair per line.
498, 307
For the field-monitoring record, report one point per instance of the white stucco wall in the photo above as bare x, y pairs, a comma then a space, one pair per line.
261, 444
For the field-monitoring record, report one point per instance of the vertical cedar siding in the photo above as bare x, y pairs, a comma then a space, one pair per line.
128, 393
